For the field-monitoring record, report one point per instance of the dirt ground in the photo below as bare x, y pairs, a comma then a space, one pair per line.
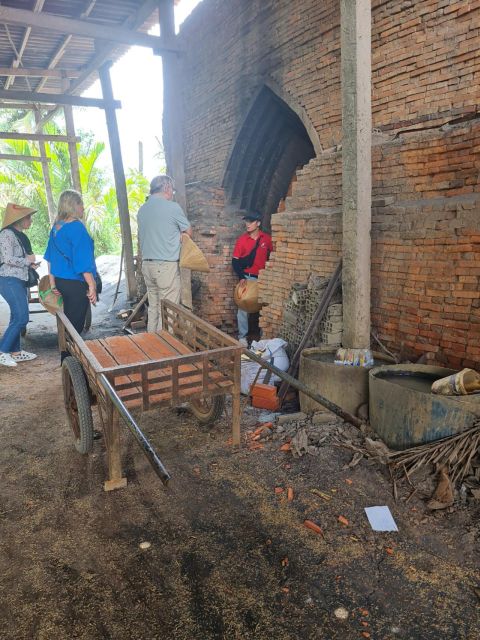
229, 558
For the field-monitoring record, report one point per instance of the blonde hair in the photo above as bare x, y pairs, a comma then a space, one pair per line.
67, 202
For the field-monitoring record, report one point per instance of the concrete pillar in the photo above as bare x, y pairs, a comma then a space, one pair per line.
356, 170
172, 123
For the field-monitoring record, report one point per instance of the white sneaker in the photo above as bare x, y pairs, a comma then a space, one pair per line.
243, 342
7, 360
23, 356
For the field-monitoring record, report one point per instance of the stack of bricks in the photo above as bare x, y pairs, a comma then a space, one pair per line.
301, 306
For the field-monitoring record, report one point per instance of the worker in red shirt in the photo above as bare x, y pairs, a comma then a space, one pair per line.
250, 256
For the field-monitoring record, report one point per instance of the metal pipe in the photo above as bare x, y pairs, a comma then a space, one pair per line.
296, 384
137, 433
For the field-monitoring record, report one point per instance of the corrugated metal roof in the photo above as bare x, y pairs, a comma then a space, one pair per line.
77, 55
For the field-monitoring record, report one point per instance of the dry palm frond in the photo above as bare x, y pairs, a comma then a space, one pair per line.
455, 452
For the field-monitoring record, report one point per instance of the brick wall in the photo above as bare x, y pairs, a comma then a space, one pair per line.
425, 234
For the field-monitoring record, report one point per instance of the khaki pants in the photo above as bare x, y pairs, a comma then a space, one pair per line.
163, 281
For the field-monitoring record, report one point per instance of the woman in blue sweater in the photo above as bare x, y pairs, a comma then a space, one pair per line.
71, 261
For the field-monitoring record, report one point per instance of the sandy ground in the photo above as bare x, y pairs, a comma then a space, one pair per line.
228, 557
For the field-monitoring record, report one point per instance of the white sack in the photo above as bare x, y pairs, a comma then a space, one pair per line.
274, 354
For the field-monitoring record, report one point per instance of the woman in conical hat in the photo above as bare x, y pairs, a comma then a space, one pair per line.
16, 256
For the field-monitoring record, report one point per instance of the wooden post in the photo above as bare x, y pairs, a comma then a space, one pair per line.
119, 176
72, 146
172, 122
357, 170
236, 406
52, 214
113, 444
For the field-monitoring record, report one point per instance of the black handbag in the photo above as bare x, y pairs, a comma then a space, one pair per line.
33, 278
98, 283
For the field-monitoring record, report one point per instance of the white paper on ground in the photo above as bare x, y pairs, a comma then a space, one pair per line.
381, 519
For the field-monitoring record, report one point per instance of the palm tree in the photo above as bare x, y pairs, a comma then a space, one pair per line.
22, 182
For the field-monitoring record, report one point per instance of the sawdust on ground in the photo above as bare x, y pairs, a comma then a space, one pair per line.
229, 558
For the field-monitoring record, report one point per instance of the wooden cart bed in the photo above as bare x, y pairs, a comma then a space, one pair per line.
157, 385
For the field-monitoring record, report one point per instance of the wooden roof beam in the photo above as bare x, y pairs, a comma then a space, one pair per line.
18, 60
14, 156
57, 56
83, 28
39, 73
27, 106
45, 137
56, 98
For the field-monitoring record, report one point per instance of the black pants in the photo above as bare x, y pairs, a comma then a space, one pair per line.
75, 301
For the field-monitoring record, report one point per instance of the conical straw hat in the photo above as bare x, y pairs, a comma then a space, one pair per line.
14, 213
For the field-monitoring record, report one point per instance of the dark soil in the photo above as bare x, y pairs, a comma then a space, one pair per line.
229, 558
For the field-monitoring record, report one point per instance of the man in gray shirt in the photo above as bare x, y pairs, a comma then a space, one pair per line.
161, 223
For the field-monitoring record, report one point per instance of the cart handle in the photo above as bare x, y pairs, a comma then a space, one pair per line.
145, 445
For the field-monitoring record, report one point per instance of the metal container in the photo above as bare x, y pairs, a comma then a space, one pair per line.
404, 412
344, 385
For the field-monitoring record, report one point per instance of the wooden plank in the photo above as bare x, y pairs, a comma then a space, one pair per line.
186, 359
14, 156
84, 28
21, 106
123, 349
175, 345
57, 98
107, 360
37, 72
153, 346
15, 135
114, 457
120, 349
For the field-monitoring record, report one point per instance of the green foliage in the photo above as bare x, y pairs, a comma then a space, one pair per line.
22, 183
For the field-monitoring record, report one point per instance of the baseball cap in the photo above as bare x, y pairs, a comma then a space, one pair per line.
254, 215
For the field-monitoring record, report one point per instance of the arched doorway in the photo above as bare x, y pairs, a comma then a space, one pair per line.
272, 144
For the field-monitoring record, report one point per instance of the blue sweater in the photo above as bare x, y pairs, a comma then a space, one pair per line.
70, 251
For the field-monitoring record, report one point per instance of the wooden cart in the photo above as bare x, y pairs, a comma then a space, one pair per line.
188, 361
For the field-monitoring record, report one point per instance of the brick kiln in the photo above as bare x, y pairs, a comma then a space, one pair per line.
262, 104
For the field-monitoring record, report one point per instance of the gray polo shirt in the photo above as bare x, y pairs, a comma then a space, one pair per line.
160, 223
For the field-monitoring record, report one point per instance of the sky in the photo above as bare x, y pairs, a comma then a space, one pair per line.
137, 83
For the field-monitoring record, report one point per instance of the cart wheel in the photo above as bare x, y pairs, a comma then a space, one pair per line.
77, 404
208, 410
88, 319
